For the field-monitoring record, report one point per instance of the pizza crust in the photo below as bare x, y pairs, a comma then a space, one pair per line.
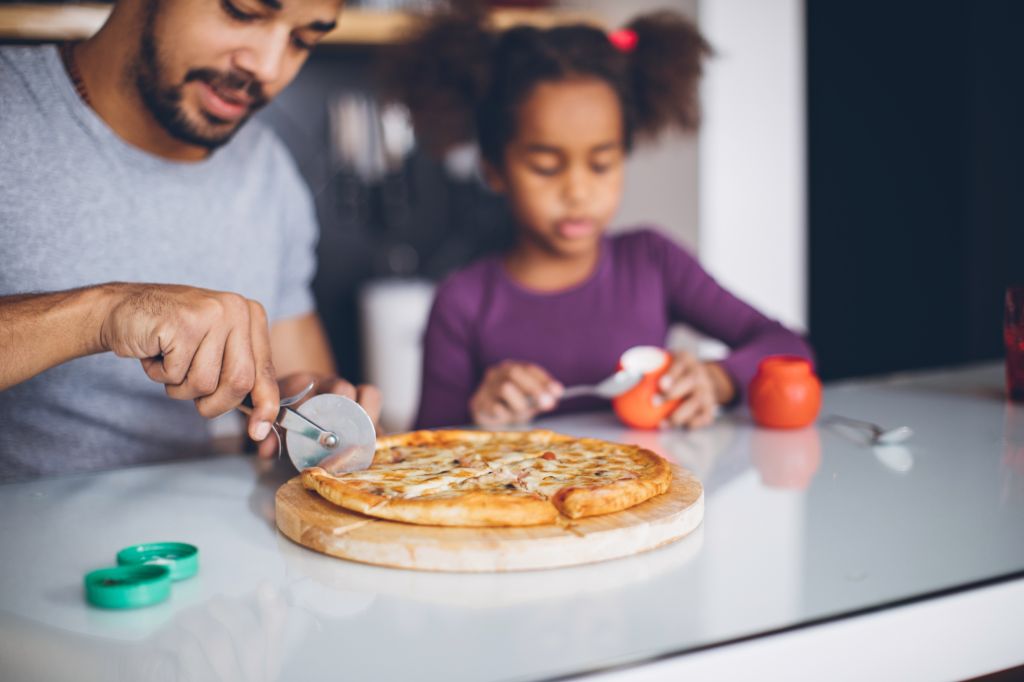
469, 509
576, 502
512, 486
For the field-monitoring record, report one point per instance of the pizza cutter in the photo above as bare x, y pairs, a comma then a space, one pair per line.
328, 430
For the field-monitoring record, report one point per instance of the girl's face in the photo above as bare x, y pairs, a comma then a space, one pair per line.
563, 172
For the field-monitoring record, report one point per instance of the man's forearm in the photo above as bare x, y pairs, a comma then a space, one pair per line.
40, 331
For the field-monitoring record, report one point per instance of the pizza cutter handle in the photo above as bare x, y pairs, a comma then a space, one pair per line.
247, 407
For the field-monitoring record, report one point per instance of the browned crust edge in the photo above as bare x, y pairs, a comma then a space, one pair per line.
473, 509
577, 502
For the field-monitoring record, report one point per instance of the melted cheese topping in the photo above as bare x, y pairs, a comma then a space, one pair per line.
500, 465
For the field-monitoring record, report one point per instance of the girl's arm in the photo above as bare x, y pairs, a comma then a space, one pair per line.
694, 297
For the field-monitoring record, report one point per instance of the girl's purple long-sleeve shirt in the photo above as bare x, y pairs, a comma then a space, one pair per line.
643, 283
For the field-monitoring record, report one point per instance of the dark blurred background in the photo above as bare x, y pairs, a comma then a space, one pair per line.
916, 180
415, 220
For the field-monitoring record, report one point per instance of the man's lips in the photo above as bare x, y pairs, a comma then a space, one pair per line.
222, 105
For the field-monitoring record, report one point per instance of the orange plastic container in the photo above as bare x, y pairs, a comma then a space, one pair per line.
636, 407
785, 393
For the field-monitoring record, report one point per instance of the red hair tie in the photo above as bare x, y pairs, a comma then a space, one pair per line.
624, 39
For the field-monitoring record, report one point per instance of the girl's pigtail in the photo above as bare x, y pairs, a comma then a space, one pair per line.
666, 63
441, 72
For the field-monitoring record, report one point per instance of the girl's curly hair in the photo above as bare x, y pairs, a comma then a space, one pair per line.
464, 81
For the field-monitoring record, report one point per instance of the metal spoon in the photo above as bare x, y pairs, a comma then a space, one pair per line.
879, 435
613, 386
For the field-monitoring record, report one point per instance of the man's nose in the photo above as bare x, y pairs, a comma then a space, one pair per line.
264, 56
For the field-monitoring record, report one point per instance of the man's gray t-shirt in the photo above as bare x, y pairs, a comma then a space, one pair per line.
79, 206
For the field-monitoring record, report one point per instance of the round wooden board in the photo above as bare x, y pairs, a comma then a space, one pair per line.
311, 521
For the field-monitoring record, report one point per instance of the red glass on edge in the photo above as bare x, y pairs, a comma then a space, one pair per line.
1013, 337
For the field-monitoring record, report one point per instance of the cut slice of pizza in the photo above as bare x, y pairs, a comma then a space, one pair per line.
508, 478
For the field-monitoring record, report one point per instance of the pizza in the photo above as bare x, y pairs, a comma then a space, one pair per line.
494, 478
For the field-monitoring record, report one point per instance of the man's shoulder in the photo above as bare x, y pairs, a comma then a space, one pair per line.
32, 107
21, 58
23, 67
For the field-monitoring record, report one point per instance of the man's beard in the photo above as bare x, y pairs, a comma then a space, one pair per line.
164, 101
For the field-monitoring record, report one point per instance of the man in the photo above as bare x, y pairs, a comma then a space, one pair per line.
162, 229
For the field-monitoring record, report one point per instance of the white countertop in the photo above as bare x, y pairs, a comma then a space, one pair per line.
800, 528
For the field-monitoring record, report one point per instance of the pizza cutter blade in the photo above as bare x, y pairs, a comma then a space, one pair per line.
329, 431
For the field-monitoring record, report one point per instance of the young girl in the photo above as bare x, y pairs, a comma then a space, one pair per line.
555, 113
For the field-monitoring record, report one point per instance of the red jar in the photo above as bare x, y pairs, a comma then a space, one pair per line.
785, 393
636, 407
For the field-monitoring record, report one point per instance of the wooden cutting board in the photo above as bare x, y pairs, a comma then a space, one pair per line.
313, 522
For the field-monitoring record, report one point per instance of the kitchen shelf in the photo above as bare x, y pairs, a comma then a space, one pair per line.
36, 22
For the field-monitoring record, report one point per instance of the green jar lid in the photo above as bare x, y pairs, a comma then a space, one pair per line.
128, 587
180, 558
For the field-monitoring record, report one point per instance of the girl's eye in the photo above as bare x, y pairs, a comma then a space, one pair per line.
604, 163
238, 15
301, 44
547, 171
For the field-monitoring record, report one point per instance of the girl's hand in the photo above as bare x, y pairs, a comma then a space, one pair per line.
702, 386
513, 393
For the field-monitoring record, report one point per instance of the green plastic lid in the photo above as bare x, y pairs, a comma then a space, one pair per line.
128, 587
180, 558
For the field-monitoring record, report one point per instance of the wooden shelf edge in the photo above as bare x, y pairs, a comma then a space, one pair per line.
45, 23
31, 22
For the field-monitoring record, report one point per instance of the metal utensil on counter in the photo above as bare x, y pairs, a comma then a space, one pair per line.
328, 431
876, 434
613, 386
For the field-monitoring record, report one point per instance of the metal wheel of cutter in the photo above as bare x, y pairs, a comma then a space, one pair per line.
355, 439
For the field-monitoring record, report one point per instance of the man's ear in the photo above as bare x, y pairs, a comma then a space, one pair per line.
494, 178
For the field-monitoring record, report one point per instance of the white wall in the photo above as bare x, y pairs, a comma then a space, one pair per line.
752, 181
